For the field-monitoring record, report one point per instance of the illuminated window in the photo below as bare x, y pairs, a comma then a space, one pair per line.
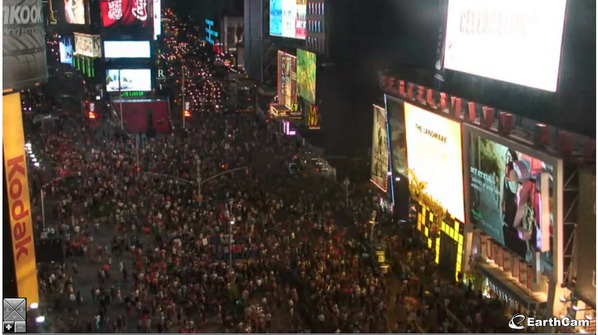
429, 243
426, 231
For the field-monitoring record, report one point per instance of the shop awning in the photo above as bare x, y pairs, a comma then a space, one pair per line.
511, 287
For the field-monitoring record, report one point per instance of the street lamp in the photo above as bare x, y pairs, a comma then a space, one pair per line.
230, 243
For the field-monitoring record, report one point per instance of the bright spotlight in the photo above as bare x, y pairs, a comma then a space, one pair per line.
40, 319
34, 305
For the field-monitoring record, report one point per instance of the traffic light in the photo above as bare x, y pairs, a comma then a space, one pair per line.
187, 114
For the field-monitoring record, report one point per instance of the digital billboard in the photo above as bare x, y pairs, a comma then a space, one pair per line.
288, 18
306, 75
313, 117
124, 12
23, 44
510, 194
398, 142
157, 14
129, 79
287, 79
65, 45
145, 115
379, 168
88, 45
513, 41
74, 11
19, 204
434, 157
127, 49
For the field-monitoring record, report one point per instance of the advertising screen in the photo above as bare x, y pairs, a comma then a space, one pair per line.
17, 185
66, 49
130, 80
287, 76
313, 117
379, 168
306, 75
23, 44
510, 195
74, 11
434, 156
398, 142
124, 12
288, 18
145, 115
127, 49
513, 41
88, 45
157, 14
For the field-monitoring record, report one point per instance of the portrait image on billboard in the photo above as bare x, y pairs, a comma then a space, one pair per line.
65, 44
434, 156
128, 80
379, 168
306, 75
287, 86
513, 41
74, 11
288, 18
127, 49
398, 141
124, 12
511, 194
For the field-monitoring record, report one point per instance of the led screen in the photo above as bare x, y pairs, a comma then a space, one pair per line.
127, 49
124, 12
130, 80
379, 168
398, 142
287, 18
306, 75
66, 50
506, 199
511, 40
434, 157
287, 79
74, 11
157, 14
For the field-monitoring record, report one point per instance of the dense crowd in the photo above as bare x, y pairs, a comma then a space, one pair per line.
297, 252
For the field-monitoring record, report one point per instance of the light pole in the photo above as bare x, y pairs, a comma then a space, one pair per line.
372, 225
183, 93
120, 95
43, 211
198, 177
230, 243
346, 183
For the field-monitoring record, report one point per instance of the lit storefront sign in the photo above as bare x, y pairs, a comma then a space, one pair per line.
210, 32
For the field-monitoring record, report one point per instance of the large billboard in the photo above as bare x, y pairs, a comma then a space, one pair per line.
17, 185
74, 11
124, 12
306, 75
511, 192
398, 142
88, 45
379, 167
65, 44
585, 286
288, 18
434, 156
127, 49
513, 41
157, 15
287, 79
23, 45
144, 115
128, 80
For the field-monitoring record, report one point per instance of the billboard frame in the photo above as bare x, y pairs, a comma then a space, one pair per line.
557, 212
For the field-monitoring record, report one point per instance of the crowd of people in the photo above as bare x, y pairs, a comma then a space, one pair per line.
261, 249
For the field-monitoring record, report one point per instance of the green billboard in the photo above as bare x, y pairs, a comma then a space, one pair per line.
306, 75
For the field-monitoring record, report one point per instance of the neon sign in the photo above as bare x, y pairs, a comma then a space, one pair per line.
210, 33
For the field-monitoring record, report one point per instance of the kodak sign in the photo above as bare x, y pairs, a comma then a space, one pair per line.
19, 206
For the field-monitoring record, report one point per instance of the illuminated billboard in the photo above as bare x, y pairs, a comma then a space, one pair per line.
19, 205
65, 45
306, 75
157, 14
124, 12
398, 142
434, 157
511, 193
288, 18
127, 49
287, 79
88, 45
313, 117
379, 167
513, 41
74, 11
128, 80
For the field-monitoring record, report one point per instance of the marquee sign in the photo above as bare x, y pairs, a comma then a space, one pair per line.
88, 45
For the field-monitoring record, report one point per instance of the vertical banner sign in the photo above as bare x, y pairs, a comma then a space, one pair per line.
157, 12
23, 45
17, 184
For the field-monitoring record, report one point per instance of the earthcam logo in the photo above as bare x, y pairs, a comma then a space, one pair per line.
519, 322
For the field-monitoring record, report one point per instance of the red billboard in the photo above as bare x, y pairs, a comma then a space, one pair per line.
124, 12
145, 116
